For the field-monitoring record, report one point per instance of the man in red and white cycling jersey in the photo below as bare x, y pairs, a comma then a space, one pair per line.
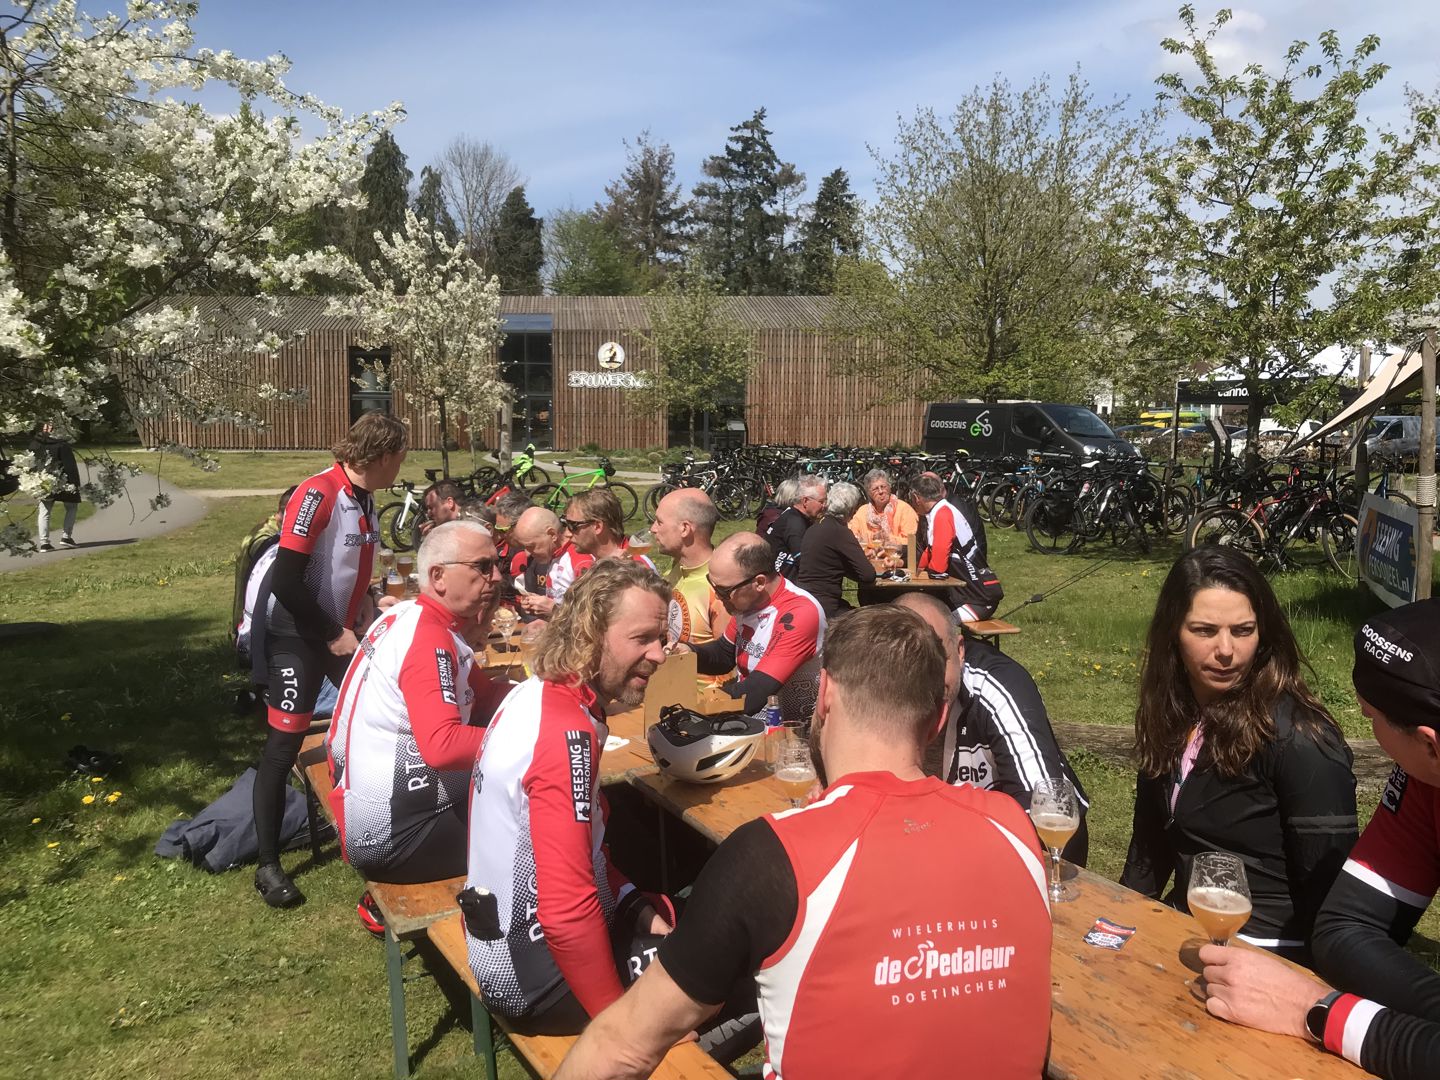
895, 905
540, 536
537, 815
411, 714
1384, 1011
948, 545
319, 583
775, 625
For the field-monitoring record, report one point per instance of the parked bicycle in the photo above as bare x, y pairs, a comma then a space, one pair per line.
555, 496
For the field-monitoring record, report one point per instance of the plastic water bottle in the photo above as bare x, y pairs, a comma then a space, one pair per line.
774, 729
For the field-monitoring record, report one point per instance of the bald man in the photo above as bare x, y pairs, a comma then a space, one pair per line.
683, 529
538, 531
774, 627
996, 733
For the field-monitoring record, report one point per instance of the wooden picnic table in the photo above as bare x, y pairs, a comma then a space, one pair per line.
1129, 1013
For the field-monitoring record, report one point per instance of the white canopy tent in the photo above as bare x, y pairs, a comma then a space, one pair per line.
1397, 376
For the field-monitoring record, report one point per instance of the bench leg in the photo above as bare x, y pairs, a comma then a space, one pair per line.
483, 1035
399, 1038
312, 813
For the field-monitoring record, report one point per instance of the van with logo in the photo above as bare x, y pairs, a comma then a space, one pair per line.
986, 429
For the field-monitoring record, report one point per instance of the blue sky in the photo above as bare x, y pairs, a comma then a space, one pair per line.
558, 85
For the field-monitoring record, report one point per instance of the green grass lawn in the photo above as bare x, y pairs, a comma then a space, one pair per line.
119, 964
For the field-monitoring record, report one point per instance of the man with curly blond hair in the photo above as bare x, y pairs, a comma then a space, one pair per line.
537, 815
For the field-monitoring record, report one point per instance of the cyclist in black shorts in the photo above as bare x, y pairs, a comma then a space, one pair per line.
320, 583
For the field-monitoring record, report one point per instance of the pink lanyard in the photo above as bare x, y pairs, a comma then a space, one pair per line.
1187, 762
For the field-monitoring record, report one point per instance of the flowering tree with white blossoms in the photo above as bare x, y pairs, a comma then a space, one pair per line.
440, 315
119, 197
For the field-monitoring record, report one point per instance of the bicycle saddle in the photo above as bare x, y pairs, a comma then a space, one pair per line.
562, 464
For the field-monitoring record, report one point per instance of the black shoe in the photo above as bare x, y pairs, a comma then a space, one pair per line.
45, 545
276, 888
68, 541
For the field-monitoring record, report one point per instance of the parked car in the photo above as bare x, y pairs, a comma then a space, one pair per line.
1019, 427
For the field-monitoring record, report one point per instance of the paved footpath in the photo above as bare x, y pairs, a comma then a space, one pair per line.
122, 522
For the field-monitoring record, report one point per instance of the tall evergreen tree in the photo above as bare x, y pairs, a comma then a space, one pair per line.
741, 214
644, 211
386, 187
830, 233
430, 206
518, 249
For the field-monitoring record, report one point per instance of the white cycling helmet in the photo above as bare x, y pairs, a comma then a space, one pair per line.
703, 749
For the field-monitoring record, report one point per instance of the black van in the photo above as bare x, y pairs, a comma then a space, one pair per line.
1019, 427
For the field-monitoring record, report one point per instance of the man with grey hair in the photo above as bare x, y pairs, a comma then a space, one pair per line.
788, 530
774, 626
829, 553
411, 715
996, 733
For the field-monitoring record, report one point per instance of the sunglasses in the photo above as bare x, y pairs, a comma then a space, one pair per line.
724, 591
574, 526
484, 567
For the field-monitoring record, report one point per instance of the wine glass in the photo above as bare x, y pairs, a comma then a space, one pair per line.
1219, 895
530, 644
1055, 811
795, 770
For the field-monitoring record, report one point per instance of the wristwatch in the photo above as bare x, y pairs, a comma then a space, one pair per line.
1319, 1015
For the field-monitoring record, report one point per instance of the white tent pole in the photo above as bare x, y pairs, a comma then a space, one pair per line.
1425, 484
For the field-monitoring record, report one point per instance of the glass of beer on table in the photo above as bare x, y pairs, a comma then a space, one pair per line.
394, 584
794, 770
530, 644
1219, 895
1055, 811
405, 563
387, 561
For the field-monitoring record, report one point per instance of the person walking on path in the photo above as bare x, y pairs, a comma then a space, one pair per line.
54, 454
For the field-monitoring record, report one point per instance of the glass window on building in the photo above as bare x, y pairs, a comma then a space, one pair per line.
369, 392
527, 364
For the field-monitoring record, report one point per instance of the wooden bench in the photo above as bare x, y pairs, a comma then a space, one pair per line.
990, 630
543, 1053
408, 909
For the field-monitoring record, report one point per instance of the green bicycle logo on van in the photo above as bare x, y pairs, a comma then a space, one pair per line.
981, 425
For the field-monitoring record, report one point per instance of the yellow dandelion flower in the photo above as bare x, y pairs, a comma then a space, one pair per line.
34, 821
97, 779
53, 844
118, 877
88, 799
1095, 666
65, 718
114, 796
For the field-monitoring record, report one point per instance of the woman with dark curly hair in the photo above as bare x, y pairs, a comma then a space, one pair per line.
1235, 753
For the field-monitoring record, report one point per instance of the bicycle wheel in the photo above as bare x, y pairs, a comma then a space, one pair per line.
629, 501
535, 477
1050, 524
1176, 509
486, 480
1000, 505
386, 518
654, 495
1228, 528
730, 499
1337, 538
403, 530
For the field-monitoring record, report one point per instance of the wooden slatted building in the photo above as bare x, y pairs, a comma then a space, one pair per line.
799, 390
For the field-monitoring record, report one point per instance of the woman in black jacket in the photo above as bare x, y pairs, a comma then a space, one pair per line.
829, 553
1235, 753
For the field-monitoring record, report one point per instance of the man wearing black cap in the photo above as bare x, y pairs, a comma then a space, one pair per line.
1386, 1015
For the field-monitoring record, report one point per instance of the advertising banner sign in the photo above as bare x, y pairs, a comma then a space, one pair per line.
1385, 548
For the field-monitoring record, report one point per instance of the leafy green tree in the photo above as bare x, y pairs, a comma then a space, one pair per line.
740, 212
644, 210
702, 356
1281, 222
430, 207
583, 256
517, 248
1006, 229
831, 232
385, 183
